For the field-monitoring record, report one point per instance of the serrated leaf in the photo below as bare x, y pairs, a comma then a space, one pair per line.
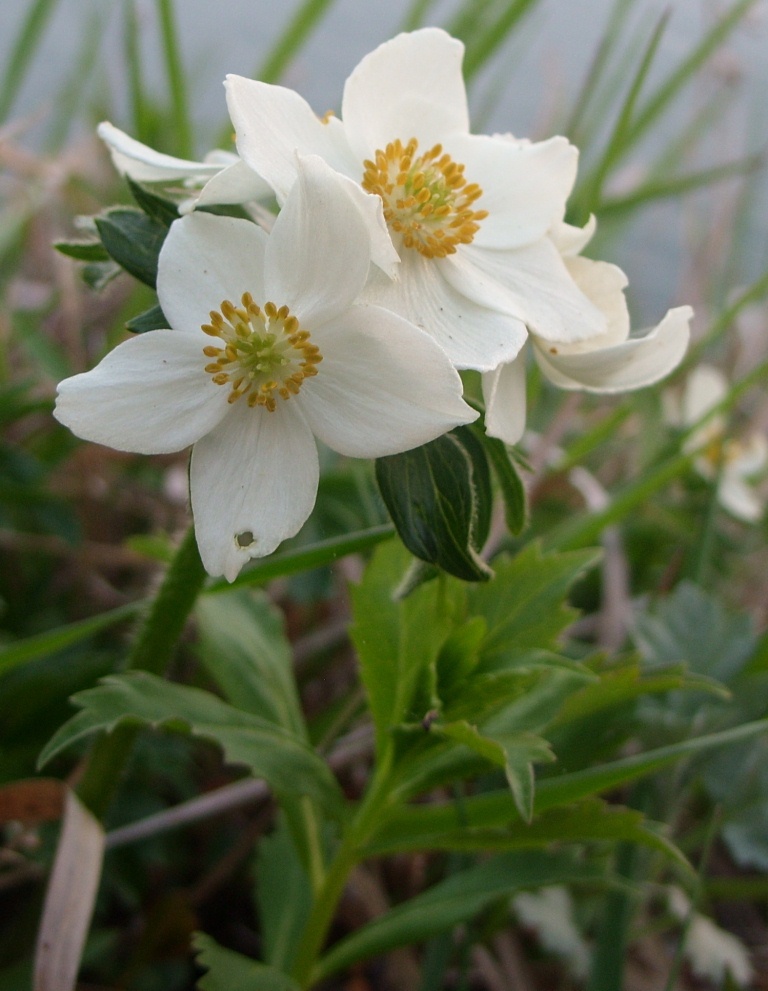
159, 209
432, 496
396, 641
515, 753
83, 251
455, 900
497, 826
133, 240
151, 319
230, 971
269, 751
524, 608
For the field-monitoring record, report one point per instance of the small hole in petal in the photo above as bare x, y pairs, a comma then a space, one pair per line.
244, 539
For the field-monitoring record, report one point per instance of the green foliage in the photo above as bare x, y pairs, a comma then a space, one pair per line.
438, 496
455, 900
227, 970
133, 239
267, 750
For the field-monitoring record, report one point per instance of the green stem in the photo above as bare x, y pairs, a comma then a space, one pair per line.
330, 891
152, 651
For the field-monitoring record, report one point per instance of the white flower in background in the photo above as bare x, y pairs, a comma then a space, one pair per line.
221, 178
729, 462
712, 952
459, 219
269, 348
549, 911
614, 362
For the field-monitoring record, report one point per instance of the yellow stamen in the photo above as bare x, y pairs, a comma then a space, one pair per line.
265, 352
427, 200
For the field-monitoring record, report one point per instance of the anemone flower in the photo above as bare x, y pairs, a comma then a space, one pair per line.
219, 179
269, 349
611, 363
731, 463
467, 215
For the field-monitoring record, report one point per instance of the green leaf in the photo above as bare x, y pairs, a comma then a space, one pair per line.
510, 483
457, 899
83, 251
514, 753
459, 827
230, 971
524, 607
396, 641
159, 209
270, 752
133, 240
244, 648
433, 495
151, 319
284, 898
43, 644
97, 275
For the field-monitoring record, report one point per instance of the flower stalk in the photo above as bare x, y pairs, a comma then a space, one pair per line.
152, 651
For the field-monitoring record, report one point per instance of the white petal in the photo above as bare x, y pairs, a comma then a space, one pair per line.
409, 87
318, 254
705, 387
604, 285
383, 252
149, 395
383, 386
532, 283
524, 187
504, 394
272, 123
633, 364
237, 183
738, 497
253, 477
571, 241
471, 334
752, 455
144, 164
204, 260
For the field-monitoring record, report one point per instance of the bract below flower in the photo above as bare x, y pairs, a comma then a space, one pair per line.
467, 214
269, 348
221, 178
731, 462
612, 363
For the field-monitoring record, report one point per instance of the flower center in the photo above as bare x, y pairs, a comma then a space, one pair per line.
265, 353
426, 199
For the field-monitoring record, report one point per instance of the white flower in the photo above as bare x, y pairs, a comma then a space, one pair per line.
549, 911
614, 362
221, 178
467, 214
288, 354
713, 952
729, 462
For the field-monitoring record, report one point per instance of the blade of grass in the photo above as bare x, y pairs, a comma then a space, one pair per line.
22, 53
678, 185
140, 113
176, 80
287, 563
71, 96
589, 192
752, 293
596, 70
495, 35
685, 71
294, 36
